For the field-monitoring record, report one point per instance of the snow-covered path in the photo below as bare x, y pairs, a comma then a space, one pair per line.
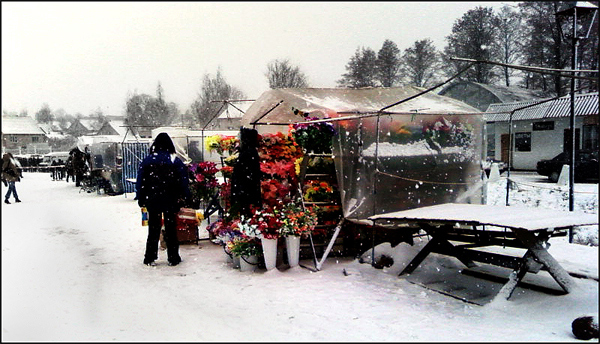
72, 271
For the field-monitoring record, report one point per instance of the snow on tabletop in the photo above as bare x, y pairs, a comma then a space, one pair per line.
510, 217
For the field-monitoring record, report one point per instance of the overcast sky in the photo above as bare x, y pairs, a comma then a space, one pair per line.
81, 56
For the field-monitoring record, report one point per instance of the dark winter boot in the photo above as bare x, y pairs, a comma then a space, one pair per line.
17, 201
149, 262
6, 201
175, 262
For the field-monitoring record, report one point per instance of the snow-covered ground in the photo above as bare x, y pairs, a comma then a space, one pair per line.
72, 271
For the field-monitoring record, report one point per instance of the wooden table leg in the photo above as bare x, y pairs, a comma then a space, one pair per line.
515, 277
419, 257
535, 246
439, 244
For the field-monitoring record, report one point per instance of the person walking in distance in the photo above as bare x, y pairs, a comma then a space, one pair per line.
162, 188
10, 174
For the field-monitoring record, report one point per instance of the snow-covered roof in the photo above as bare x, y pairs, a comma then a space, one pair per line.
24, 125
90, 124
52, 129
585, 105
277, 104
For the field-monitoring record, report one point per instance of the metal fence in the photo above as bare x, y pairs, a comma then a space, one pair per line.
133, 154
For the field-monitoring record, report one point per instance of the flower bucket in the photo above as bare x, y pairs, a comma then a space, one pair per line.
292, 244
236, 262
269, 247
248, 263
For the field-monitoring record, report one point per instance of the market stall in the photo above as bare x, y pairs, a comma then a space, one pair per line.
423, 151
393, 148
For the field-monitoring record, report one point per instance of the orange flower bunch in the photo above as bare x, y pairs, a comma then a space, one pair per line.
228, 143
319, 191
278, 146
295, 221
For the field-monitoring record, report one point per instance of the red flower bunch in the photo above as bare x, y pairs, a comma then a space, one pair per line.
203, 181
225, 195
275, 191
227, 171
280, 168
266, 222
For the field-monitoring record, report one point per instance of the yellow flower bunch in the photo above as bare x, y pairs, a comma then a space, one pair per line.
297, 164
212, 143
220, 143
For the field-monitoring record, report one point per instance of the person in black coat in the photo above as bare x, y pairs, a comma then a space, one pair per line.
78, 161
245, 180
162, 187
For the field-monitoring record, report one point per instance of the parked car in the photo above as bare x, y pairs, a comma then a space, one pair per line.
487, 165
586, 166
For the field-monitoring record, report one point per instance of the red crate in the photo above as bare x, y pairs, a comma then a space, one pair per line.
187, 226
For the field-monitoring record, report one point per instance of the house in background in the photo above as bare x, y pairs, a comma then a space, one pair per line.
55, 128
23, 135
231, 115
481, 96
115, 125
57, 135
84, 126
541, 131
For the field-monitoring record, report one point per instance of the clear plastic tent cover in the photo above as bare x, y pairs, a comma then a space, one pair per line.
427, 151
406, 162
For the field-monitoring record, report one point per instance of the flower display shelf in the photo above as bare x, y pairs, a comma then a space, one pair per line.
316, 244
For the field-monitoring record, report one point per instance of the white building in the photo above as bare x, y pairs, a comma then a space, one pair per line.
540, 131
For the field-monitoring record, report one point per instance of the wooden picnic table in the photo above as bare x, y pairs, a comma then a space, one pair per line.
461, 230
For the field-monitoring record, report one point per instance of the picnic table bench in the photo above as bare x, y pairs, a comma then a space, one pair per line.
461, 230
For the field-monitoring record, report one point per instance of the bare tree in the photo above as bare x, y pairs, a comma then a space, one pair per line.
510, 38
213, 89
421, 63
281, 74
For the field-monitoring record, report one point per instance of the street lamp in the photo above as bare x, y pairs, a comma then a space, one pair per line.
574, 9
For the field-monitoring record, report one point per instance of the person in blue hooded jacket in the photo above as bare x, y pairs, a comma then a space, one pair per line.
162, 187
